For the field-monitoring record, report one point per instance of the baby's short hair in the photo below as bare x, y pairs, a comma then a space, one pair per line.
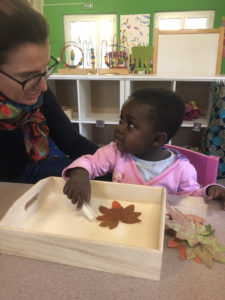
166, 108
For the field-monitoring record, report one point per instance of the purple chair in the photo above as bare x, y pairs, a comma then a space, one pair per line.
205, 165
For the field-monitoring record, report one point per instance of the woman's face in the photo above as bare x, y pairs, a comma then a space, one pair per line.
23, 63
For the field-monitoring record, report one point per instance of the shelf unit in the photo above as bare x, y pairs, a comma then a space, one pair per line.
93, 102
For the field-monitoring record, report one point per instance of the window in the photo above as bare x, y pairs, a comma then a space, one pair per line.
184, 20
89, 31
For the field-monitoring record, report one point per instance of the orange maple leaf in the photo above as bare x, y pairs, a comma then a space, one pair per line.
111, 216
176, 243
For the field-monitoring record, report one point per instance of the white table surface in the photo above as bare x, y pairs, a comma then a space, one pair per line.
22, 278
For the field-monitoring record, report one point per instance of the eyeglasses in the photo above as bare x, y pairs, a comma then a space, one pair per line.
32, 82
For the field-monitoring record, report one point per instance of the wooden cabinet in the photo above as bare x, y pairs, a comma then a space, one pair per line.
93, 102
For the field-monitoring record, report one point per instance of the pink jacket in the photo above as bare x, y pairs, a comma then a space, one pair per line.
178, 179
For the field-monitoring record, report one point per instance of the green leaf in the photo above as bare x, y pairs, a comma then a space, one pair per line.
209, 229
215, 253
205, 255
190, 252
198, 239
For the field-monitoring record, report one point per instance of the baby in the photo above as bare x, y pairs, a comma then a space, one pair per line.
148, 120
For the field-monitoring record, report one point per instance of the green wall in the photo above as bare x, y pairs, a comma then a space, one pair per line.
54, 14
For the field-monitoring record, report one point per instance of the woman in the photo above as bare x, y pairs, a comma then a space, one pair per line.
37, 139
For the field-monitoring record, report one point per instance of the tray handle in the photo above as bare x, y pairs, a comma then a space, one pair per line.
23, 206
31, 201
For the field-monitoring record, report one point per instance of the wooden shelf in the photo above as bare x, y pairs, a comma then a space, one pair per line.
100, 98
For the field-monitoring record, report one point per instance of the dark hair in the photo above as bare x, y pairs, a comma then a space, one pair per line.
166, 109
20, 24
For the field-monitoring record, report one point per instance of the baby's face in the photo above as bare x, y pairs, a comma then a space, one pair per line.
135, 134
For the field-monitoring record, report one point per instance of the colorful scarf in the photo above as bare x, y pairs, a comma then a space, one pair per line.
31, 121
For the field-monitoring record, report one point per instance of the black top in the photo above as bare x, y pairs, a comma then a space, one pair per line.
13, 154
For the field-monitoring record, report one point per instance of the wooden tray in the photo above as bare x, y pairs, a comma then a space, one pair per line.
44, 224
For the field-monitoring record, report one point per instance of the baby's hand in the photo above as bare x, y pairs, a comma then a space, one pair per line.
216, 192
78, 187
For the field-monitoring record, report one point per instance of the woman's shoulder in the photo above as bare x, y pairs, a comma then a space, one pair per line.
51, 107
49, 97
